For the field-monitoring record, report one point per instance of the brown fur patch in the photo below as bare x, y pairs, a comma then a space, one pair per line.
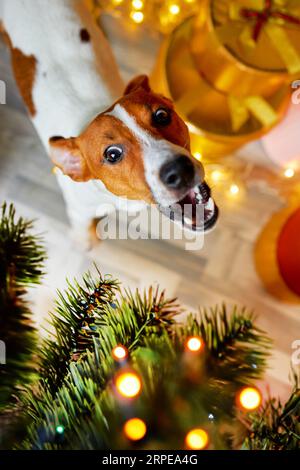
24, 68
85, 35
126, 178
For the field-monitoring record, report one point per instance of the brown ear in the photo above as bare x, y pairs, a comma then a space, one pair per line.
141, 81
67, 156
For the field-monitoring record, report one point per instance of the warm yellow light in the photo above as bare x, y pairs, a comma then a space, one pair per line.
250, 398
128, 384
135, 429
119, 353
137, 16
234, 189
194, 344
216, 175
197, 155
137, 4
289, 173
197, 439
174, 9
117, 2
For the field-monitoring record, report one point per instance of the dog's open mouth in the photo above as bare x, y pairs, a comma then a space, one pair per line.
196, 211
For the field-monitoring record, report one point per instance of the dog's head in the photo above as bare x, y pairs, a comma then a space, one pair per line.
140, 149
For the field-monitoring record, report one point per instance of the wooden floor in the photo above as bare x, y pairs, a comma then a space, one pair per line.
222, 271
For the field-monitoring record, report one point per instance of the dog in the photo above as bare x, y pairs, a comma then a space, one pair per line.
128, 148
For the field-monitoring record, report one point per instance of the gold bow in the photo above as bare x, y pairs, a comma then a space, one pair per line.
245, 15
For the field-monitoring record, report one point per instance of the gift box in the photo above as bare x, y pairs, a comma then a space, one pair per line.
220, 121
247, 47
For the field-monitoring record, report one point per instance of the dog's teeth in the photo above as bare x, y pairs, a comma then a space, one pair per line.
187, 221
210, 205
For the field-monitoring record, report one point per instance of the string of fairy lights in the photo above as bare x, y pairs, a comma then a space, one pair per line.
232, 175
161, 15
127, 385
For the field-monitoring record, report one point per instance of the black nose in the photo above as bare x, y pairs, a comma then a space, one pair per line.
178, 173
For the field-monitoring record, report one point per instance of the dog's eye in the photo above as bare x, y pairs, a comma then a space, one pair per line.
113, 154
162, 117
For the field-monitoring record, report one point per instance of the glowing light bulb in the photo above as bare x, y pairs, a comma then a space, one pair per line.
119, 353
137, 4
249, 398
194, 344
135, 429
60, 429
197, 155
137, 16
289, 173
174, 9
128, 384
234, 189
196, 439
216, 175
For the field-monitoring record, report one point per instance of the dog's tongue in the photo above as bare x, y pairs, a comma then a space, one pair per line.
190, 198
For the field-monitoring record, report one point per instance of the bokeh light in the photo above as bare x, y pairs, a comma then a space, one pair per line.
174, 9
194, 344
234, 189
197, 439
249, 398
128, 384
60, 429
137, 16
137, 4
135, 429
289, 173
119, 353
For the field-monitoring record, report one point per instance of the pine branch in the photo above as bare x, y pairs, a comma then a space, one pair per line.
128, 320
275, 426
78, 316
85, 402
236, 348
21, 266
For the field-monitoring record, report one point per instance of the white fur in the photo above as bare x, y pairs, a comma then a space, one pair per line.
156, 152
75, 81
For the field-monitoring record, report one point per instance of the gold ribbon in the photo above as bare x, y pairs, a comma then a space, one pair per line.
240, 109
275, 28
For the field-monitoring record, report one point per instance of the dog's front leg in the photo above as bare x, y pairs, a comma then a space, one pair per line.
82, 205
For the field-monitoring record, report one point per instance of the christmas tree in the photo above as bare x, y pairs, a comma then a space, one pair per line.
21, 266
120, 372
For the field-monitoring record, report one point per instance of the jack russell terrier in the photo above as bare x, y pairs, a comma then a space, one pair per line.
136, 150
